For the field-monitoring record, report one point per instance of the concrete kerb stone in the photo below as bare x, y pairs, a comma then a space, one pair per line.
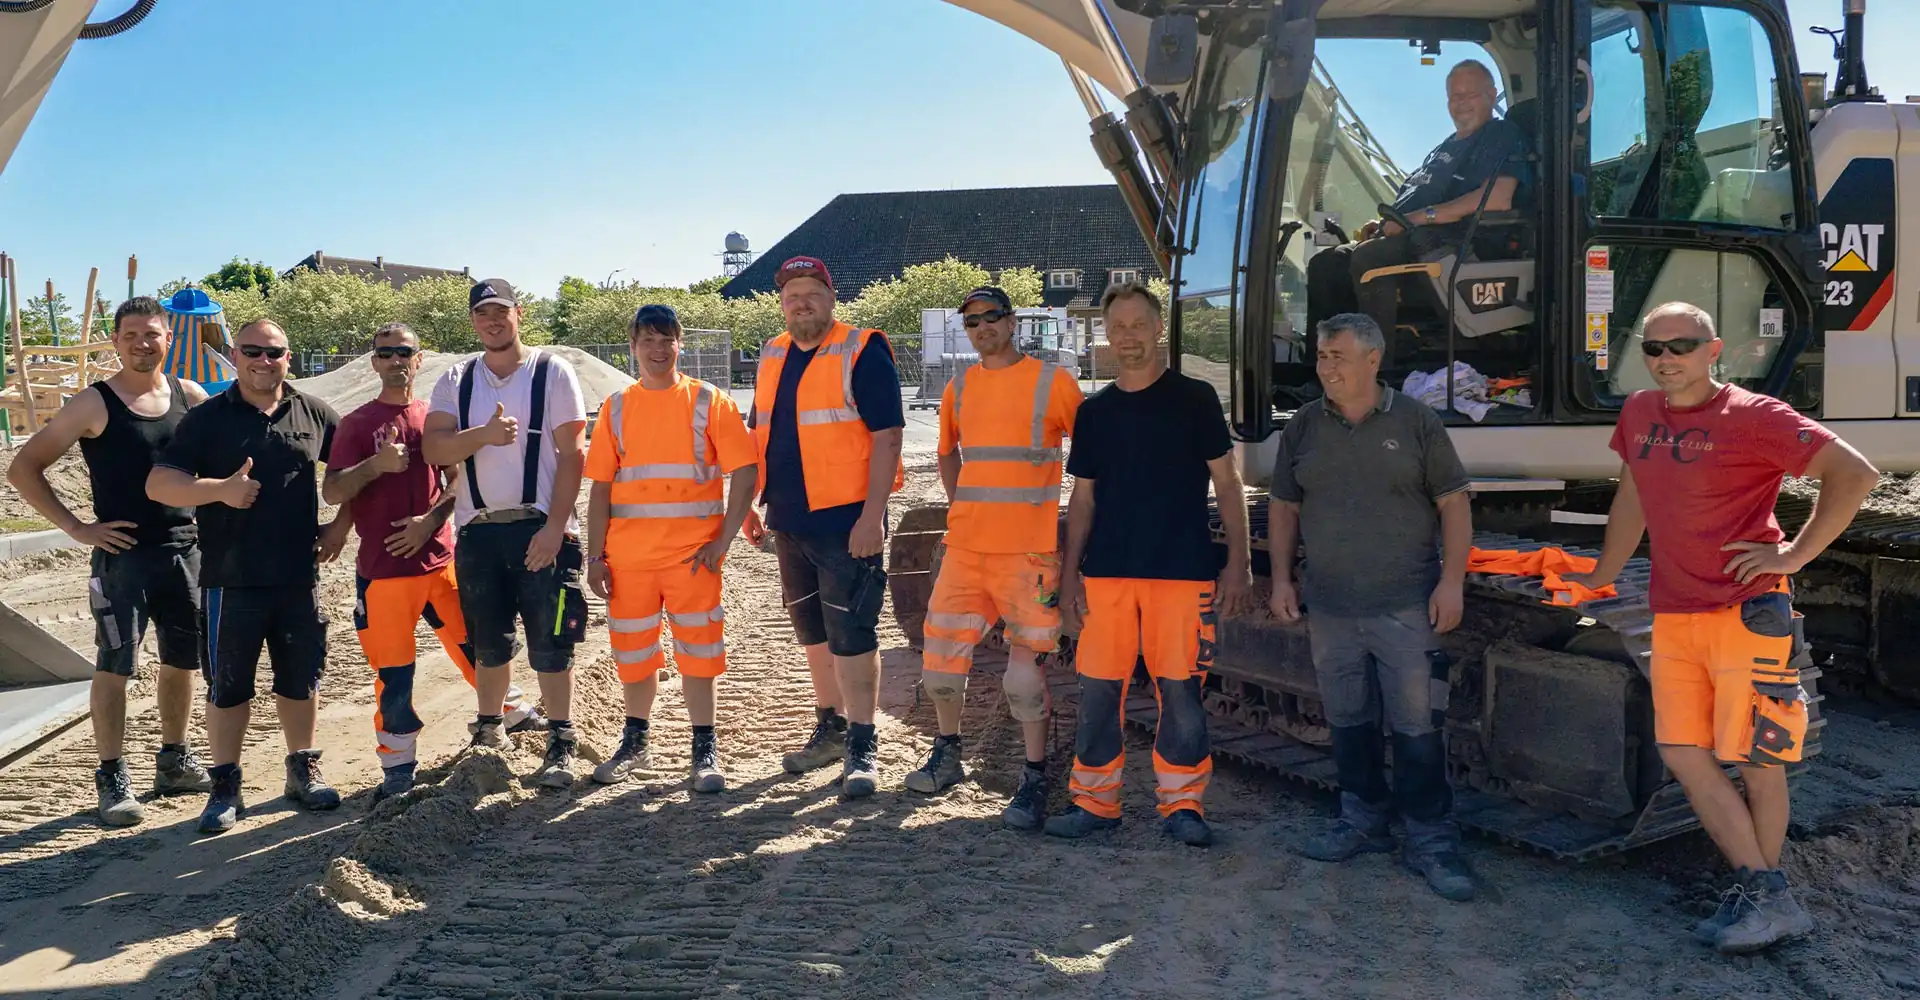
20, 544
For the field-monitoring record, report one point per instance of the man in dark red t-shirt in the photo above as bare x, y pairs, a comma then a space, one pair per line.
400, 509
1703, 467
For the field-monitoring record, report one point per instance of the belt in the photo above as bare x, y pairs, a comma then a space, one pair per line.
506, 515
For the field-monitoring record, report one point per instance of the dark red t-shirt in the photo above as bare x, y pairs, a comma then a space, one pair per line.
1709, 475
394, 495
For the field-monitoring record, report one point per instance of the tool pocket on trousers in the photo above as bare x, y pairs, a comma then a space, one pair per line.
1769, 615
1779, 722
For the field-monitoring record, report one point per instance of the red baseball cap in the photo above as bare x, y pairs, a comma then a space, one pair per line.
802, 267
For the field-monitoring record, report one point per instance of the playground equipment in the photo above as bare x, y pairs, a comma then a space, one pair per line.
42, 376
201, 343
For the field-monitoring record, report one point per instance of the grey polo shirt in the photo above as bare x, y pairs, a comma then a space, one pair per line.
1366, 492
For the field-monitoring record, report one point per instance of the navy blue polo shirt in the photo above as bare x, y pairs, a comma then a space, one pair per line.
876, 393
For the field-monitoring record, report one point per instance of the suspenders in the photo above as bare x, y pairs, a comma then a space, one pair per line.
530, 475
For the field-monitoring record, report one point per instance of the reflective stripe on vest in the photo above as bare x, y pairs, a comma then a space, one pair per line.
686, 508
699, 473
1035, 454
848, 350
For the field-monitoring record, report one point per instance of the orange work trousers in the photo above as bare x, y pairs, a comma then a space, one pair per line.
974, 589
1727, 681
1170, 625
690, 600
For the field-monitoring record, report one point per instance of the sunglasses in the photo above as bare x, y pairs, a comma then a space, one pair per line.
990, 316
256, 351
1678, 346
403, 353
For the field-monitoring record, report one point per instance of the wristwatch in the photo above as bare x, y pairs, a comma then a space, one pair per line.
1431, 217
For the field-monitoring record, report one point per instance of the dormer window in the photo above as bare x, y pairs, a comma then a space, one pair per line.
1063, 279
1122, 277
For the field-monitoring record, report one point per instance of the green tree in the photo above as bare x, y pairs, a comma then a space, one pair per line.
893, 305
34, 327
240, 306
436, 308
709, 285
331, 311
166, 290
241, 275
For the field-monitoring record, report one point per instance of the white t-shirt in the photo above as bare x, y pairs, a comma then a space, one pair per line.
499, 470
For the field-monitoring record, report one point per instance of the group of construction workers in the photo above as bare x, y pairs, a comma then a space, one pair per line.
206, 524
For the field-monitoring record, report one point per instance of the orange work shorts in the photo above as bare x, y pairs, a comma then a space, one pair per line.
390, 607
1169, 622
689, 600
974, 589
1725, 681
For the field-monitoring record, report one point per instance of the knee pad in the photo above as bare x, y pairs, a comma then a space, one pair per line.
944, 687
1026, 688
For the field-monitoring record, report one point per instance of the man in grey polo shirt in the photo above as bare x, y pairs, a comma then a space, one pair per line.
1370, 479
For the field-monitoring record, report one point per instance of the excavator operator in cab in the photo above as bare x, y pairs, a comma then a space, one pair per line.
1436, 199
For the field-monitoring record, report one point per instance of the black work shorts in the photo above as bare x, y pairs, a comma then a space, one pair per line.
240, 621
489, 563
147, 583
831, 596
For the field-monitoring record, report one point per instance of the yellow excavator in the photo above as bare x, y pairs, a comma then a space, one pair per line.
1677, 151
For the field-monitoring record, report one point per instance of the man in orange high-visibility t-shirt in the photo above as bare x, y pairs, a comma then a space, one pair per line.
658, 527
1001, 426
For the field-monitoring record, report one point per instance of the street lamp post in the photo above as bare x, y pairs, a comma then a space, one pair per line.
608, 282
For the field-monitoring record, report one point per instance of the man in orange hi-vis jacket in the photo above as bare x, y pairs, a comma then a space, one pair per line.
1140, 569
658, 528
1001, 425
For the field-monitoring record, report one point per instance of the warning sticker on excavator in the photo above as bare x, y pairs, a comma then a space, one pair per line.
1596, 331
1600, 360
1599, 292
1858, 225
1599, 259
1773, 322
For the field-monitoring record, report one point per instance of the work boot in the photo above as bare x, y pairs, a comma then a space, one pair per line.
118, 807
860, 773
306, 786
556, 771
225, 805
706, 763
1707, 931
827, 744
942, 769
1077, 822
1188, 827
1767, 916
176, 771
1029, 806
488, 732
632, 755
395, 780
1446, 873
1343, 841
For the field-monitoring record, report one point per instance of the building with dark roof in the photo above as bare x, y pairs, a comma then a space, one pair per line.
1080, 238
393, 274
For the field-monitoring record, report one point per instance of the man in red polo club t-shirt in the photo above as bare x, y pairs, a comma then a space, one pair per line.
1703, 466
400, 508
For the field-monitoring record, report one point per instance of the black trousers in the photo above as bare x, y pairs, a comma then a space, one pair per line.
1333, 283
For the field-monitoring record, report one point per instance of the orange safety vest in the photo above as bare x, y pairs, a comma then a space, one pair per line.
1008, 496
835, 445
669, 492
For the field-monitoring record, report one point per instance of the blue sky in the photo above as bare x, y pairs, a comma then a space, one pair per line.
533, 140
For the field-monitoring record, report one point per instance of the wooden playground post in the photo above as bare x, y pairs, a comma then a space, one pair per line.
19, 347
133, 268
86, 328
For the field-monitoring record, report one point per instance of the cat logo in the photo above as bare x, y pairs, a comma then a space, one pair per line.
1853, 247
1488, 293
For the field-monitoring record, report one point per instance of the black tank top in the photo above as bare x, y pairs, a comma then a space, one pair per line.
119, 460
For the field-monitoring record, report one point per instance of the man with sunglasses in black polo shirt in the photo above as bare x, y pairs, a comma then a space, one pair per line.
247, 459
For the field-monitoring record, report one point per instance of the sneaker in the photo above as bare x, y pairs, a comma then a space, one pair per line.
631, 756
396, 780
1188, 827
1707, 931
827, 744
860, 773
1767, 916
1077, 822
225, 805
706, 764
532, 722
942, 769
1029, 806
118, 807
557, 770
1343, 841
305, 784
1446, 874
178, 771
491, 734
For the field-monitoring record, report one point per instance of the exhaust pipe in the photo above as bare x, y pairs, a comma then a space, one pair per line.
1851, 82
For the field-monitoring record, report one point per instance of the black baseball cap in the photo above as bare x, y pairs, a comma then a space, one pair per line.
491, 290
987, 293
656, 317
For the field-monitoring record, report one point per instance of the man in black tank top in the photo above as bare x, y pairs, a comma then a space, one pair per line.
146, 566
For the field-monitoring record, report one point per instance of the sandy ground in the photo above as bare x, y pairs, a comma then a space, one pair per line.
476, 886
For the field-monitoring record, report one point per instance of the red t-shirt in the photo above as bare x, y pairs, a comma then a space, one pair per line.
1709, 475
394, 495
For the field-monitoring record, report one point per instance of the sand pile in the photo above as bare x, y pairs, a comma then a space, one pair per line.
68, 477
355, 383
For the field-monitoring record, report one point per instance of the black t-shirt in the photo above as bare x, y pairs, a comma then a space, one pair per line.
269, 544
1458, 166
1147, 453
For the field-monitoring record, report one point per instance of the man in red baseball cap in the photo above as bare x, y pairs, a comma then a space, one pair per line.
802, 267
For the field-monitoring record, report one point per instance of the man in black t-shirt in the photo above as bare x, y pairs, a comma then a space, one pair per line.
1437, 198
246, 459
1140, 569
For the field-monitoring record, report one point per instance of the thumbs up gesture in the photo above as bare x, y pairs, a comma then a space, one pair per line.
500, 428
389, 454
240, 489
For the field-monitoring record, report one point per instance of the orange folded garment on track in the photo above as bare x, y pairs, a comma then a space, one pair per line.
1548, 564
